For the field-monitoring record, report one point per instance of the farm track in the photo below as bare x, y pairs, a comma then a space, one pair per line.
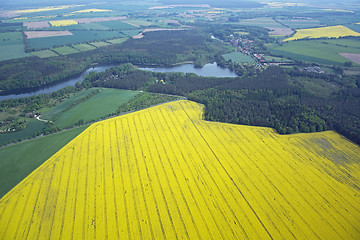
163, 173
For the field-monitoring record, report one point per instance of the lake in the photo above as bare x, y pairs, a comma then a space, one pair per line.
58, 86
209, 70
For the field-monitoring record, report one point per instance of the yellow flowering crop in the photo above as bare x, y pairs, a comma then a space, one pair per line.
165, 173
327, 32
60, 23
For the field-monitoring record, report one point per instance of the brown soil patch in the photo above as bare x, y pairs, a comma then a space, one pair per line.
280, 31
41, 34
354, 57
36, 25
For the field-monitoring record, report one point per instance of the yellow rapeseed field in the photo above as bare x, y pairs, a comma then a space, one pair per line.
327, 32
60, 23
163, 173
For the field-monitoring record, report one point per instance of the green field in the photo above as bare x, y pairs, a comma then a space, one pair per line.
44, 54
118, 40
77, 37
59, 109
98, 106
139, 22
19, 160
131, 33
65, 50
12, 46
117, 25
100, 44
277, 59
321, 51
83, 47
261, 22
238, 57
34, 126
300, 23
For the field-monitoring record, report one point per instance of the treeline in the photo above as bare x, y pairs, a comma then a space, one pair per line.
273, 98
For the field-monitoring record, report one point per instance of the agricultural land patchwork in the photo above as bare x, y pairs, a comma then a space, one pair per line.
164, 173
323, 32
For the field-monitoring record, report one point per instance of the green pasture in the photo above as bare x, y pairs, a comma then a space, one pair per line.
19, 160
118, 25
118, 40
140, 22
96, 107
238, 57
65, 50
12, 46
100, 44
320, 51
33, 126
44, 54
261, 22
300, 23
131, 33
77, 37
83, 47
56, 111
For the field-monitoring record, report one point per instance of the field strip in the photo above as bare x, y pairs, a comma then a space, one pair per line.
164, 173
42, 34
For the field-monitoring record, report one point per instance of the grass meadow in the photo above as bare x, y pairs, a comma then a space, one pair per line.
321, 51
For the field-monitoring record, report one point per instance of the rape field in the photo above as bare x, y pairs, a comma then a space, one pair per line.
164, 173
60, 23
328, 32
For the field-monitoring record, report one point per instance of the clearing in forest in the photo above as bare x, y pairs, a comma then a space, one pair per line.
164, 173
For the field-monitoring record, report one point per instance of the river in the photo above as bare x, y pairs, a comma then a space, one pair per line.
58, 86
209, 70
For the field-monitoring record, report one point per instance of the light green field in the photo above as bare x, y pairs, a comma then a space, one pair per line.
65, 50
132, 33
321, 51
98, 106
118, 40
59, 109
277, 59
19, 160
44, 54
238, 57
83, 47
100, 44
300, 23
12, 46
261, 22
139, 22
